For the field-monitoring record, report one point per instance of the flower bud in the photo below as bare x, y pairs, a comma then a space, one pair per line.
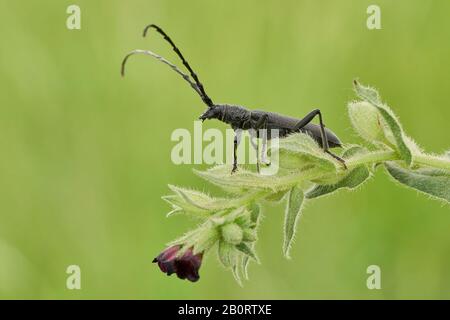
367, 121
232, 233
186, 266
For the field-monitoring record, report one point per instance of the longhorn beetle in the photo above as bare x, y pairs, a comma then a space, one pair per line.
241, 118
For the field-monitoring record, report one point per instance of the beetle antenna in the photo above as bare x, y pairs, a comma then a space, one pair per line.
206, 99
171, 65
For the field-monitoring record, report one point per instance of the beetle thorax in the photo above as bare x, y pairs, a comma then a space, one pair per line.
234, 115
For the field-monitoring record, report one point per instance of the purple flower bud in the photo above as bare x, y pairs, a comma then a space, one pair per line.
186, 266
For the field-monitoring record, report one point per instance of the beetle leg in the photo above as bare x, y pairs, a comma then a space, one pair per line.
303, 122
254, 141
264, 150
237, 140
263, 154
260, 124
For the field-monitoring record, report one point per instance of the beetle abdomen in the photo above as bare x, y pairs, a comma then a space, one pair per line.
285, 125
314, 131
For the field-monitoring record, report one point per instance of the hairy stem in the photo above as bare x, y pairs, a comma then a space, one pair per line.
369, 158
366, 159
251, 197
372, 157
432, 161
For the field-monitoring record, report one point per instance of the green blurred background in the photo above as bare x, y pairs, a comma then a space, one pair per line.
85, 155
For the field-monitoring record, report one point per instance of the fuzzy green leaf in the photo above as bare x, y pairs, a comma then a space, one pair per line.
352, 180
244, 220
247, 250
367, 93
196, 201
238, 182
276, 197
255, 214
244, 262
349, 180
206, 239
237, 215
186, 238
367, 121
394, 125
237, 277
300, 151
227, 254
433, 182
179, 205
371, 95
215, 175
249, 235
293, 211
243, 180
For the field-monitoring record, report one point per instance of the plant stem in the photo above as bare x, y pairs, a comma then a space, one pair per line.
369, 158
250, 197
372, 157
432, 161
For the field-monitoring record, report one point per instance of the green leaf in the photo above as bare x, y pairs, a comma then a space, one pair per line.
244, 248
245, 261
184, 239
276, 197
293, 210
237, 277
238, 214
242, 180
249, 235
179, 205
200, 239
433, 182
244, 220
206, 239
255, 214
299, 151
238, 182
172, 199
353, 150
403, 149
367, 121
227, 254
371, 95
216, 174
192, 200
350, 180
367, 93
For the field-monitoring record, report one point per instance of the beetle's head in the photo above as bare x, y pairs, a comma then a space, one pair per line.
212, 112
